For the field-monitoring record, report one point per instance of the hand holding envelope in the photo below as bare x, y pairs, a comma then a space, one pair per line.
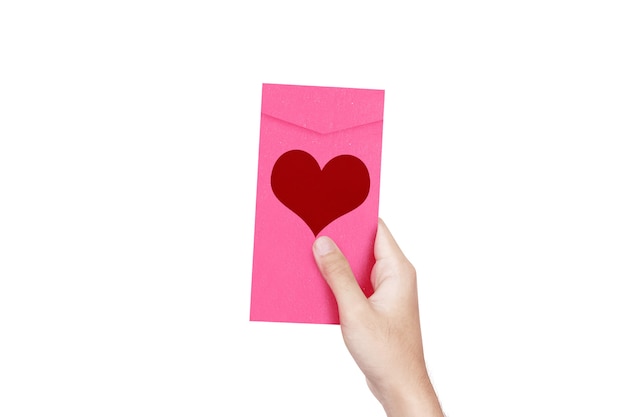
318, 174
383, 332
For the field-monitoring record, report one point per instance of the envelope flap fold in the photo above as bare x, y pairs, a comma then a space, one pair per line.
323, 109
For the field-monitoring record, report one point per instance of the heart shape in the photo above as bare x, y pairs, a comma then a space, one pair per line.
319, 196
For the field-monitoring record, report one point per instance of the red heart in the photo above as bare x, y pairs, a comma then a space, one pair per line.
320, 196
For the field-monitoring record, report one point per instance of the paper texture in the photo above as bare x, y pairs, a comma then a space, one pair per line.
317, 145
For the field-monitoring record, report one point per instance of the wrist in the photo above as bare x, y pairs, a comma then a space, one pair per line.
414, 399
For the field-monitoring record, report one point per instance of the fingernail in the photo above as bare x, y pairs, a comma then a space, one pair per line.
323, 246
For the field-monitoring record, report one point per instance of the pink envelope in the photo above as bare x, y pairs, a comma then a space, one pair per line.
318, 174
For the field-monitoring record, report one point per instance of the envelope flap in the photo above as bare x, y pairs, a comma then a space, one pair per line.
322, 109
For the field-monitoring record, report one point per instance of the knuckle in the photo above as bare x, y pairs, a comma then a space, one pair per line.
336, 266
410, 269
404, 268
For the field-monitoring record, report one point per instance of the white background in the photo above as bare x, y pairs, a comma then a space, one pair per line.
128, 151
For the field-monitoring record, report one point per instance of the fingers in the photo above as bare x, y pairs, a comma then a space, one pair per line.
385, 246
390, 261
336, 271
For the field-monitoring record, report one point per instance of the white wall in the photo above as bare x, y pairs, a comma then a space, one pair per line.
128, 146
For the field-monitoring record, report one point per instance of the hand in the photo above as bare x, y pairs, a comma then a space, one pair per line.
383, 332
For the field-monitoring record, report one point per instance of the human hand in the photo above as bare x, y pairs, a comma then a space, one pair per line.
382, 333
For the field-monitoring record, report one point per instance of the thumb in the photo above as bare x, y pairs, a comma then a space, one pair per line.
337, 272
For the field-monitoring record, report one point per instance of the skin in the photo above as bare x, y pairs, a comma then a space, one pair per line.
382, 333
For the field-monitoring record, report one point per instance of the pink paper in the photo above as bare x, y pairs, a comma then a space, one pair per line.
324, 122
